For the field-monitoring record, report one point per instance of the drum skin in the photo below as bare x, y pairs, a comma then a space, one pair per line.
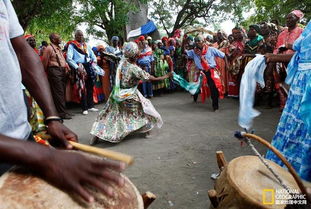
20, 189
241, 184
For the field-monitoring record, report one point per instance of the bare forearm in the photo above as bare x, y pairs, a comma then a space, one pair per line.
22, 152
152, 78
280, 57
34, 77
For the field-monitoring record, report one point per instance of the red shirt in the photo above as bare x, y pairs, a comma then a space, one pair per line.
287, 37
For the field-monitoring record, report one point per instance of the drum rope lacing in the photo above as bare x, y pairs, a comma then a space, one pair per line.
253, 148
249, 143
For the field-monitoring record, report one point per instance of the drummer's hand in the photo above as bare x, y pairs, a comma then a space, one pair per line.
73, 171
61, 134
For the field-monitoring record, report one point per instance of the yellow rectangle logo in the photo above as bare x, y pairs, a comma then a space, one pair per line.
268, 193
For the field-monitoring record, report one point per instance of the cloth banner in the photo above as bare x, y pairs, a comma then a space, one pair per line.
254, 73
191, 87
149, 27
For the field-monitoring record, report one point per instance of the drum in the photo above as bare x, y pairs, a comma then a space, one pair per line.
19, 189
245, 183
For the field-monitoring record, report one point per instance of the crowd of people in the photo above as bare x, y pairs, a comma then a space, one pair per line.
225, 56
214, 64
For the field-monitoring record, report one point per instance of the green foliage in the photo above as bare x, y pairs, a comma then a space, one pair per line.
42, 17
191, 13
278, 9
106, 18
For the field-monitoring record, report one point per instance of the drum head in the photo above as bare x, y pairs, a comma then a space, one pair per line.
21, 190
249, 176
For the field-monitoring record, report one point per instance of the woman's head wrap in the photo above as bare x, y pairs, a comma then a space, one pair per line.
164, 38
130, 50
99, 47
199, 38
141, 38
298, 13
114, 38
256, 27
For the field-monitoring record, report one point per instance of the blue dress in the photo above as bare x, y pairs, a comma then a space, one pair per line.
293, 136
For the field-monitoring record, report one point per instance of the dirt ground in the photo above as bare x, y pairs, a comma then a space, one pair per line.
176, 162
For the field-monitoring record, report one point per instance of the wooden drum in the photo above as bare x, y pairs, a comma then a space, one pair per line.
20, 189
242, 182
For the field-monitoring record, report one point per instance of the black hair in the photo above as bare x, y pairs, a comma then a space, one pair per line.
44, 43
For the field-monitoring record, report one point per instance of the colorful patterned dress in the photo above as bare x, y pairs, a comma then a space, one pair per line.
179, 64
120, 118
235, 52
292, 138
285, 37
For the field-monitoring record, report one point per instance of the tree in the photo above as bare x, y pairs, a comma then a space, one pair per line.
29, 10
278, 9
42, 17
185, 13
106, 17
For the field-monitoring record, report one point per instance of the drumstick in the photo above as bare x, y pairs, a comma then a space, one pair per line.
103, 152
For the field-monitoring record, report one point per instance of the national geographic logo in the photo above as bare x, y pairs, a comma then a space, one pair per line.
283, 197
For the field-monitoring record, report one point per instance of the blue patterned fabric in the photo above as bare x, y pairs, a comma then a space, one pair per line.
292, 138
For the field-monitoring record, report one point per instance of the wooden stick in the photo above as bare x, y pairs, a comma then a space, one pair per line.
221, 160
212, 194
103, 152
148, 198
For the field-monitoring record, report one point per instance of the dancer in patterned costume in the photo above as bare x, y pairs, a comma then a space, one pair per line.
126, 110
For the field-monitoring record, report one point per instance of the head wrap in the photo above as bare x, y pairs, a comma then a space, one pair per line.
136, 41
141, 38
177, 33
209, 37
130, 50
158, 41
199, 38
272, 27
99, 47
298, 13
190, 38
171, 39
95, 50
114, 38
256, 27
164, 38
28, 36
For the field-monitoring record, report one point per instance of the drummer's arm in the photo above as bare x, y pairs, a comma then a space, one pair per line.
69, 171
278, 57
35, 80
21, 152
